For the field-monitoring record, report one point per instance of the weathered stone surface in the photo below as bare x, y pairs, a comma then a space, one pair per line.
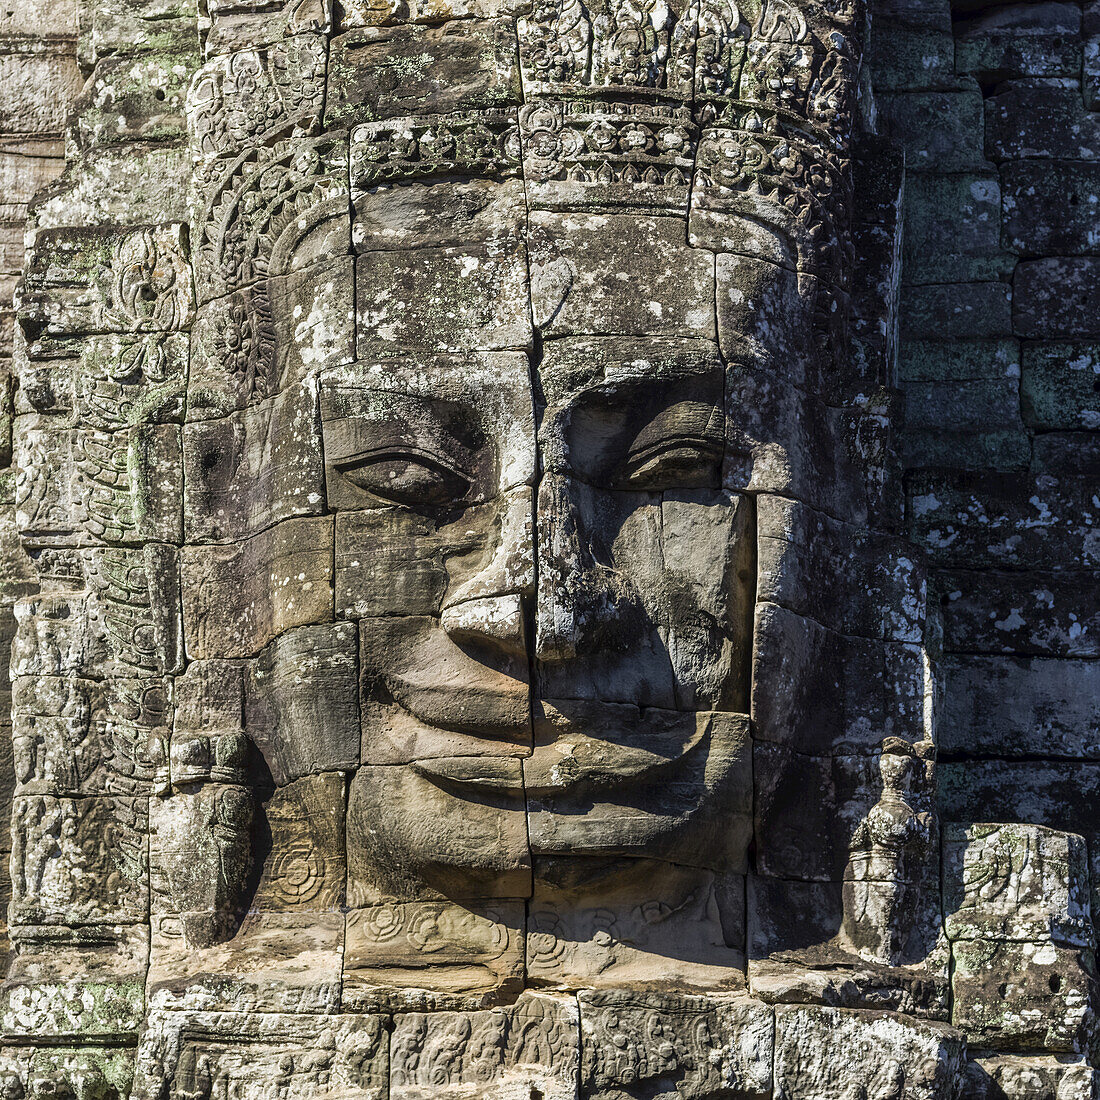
885, 591
62, 986
1059, 385
101, 279
939, 131
1021, 40
253, 1053
387, 72
965, 424
958, 310
1040, 118
301, 702
1065, 453
954, 229
1033, 191
907, 55
1000, 520
442, 300
41, 82
529, 1048
402, 819
441, 951
1043, 614
914, 1058
134, 100
287, 582
1023, 996
646, 1044
852, 690
1057, 793
463, 638
1015, 882
250, 470
1054, 298
78, 860
1015, 1077
571, 251
275, 962
640, 924
1026, 706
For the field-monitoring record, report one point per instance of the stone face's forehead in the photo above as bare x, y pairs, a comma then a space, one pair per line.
570, 368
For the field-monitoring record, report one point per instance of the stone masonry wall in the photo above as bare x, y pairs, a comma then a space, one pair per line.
996, 108
39, 82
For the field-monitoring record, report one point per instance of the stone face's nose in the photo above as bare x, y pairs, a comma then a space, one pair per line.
499, 620
582, 603
489, 607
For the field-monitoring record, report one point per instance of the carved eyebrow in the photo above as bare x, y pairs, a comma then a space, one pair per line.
386, 450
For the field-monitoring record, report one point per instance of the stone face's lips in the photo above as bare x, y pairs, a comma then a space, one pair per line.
628, 747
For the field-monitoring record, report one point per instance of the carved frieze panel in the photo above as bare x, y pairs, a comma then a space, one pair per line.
636, 1043
103, 279
250, 97
270, 212
529, 1047
442, 954
255, 1055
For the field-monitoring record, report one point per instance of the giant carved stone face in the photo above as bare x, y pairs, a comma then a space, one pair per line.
492, 360
542, 418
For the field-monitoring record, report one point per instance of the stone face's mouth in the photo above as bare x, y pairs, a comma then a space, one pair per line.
580, 752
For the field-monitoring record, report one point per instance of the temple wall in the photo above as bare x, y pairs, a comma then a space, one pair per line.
971, 399
41, 81
997, 112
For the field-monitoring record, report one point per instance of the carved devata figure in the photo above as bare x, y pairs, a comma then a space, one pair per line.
470, 649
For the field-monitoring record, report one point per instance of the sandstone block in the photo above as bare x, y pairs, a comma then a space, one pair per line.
531, 1047
954, 229
1054, 298
635, 1043
1060, 385
968, 310
1040, 613
253, 469
301, 701
990, 520
1022, 996
1016, 882
239, 597
917, 1058
413, 836
386, 72
1015, 1077
446, 951
580, 286
252, 1053
938, 130
1021, 706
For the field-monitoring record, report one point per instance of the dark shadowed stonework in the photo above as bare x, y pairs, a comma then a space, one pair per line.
550, 549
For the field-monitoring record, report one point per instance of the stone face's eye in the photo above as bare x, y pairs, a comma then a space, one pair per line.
674, 463
405, 477
678, 448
